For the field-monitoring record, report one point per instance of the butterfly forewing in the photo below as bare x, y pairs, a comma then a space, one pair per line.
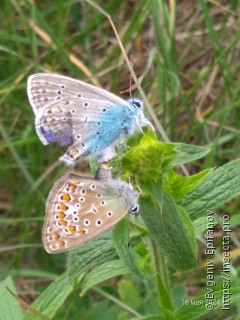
77, 210
45, 89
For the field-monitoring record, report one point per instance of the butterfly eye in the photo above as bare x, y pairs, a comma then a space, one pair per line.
135, 210
137, 104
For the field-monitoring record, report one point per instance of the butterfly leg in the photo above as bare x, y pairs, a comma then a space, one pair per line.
138, 124
149, 124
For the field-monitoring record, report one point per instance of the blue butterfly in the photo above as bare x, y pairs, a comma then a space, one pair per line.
88, 119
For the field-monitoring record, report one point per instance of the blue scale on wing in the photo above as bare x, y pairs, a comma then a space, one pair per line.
63, 139
56, 125
114, 124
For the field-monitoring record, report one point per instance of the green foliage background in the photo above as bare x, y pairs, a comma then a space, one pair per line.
186, 54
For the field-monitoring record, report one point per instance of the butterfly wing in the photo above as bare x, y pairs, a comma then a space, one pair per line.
77, 210
74, 113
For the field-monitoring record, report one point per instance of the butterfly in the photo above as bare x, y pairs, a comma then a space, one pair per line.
79, 208
88, 119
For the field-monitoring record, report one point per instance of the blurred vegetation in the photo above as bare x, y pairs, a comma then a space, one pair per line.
187, 56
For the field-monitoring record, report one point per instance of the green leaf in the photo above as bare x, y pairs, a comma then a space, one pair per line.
102, 273
90, 254
52, 299
150, 318
148, 277
189, 227
149, 157
196, 308
201, 224
220, 186
184, 153
170, 231
165, 299
155, 191
178, 186
104, 310
178, 294
120, 241
235, 220
9, 306
129, 293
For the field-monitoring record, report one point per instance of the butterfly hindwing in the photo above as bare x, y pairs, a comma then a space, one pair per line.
78, 209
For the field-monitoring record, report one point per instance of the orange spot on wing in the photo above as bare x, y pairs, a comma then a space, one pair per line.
72, 229
65, 197
81, 232
61, 215
61, 244
54, 236
72, 187
75, 154
62, 207
63, 222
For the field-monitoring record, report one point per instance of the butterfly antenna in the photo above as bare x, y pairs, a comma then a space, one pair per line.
130, 79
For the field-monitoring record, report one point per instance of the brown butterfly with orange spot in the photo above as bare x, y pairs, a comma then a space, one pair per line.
79, 208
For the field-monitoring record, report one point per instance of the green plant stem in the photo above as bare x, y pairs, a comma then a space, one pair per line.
159, 264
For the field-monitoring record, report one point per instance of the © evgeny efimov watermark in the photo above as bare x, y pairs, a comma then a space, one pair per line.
211, 282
